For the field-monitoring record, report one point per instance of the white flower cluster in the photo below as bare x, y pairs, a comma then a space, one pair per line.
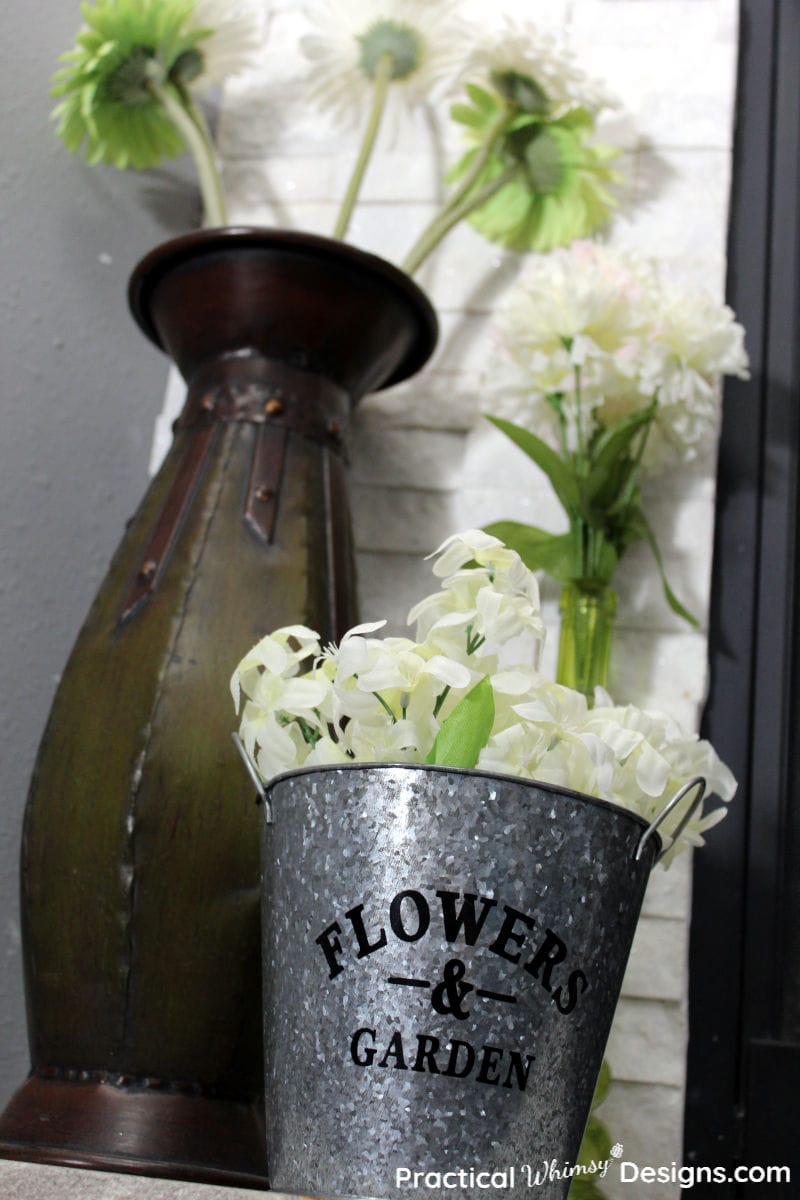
385, 699
604, 329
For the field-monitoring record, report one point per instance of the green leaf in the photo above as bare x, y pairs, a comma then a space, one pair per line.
606, 565
483, 100
609, 448
641, 528
596, 1143
553, 553
466, 731
603, 1085
580, 119
561, 477
466, 115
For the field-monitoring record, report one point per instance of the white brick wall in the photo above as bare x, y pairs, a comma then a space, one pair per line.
424, 467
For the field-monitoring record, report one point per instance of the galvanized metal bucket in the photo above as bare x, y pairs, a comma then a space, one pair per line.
443, 952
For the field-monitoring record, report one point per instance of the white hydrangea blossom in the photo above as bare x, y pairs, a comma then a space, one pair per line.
607, 331
373, 699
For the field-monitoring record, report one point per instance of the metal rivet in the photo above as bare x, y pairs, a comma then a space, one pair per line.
148, 569
264, 493
273, 407
207, 402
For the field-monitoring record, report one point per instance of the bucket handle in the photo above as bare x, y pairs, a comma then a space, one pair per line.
261, 795
699, 783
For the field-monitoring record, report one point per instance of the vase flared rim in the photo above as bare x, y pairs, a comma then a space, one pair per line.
527, 784
176, 252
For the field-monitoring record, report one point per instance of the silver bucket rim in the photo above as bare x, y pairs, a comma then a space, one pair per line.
650, 833
649, 830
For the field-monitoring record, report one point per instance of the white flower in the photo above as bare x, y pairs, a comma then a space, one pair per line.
694, 341
524, 50
281, 702
236, 37
655, 758
424, 38
479, 608
351, 656
553, 707
400, 666
585, 308
272, 746
581, 764
279, 654
587, 293
599, 328
472, 545
397, 741
517, 750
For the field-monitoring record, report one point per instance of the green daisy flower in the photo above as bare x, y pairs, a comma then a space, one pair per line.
546, 184
126, 52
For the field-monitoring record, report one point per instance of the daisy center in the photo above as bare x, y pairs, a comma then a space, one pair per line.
402, 43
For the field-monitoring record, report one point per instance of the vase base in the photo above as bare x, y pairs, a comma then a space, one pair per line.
135, 1130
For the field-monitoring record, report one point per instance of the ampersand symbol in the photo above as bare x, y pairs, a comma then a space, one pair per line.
447, 996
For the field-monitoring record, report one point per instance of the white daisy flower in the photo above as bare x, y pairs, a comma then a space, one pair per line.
523, 50
237, 35
423, 37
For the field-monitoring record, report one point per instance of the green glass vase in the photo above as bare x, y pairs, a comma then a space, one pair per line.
584, 647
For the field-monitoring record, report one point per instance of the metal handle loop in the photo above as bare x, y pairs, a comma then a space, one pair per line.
261, 795
698, 782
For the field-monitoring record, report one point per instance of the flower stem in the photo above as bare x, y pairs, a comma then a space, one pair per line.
192, 128
493, 135
383, 77
633, 474
199, 119
385, 706
444, 221
582, 464
421, 249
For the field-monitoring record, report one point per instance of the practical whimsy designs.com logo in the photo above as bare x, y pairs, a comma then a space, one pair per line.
540, 955
504, 1179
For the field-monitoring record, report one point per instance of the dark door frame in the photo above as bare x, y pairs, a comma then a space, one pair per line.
745, 921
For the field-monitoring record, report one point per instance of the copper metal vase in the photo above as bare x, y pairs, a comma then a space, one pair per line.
140, 856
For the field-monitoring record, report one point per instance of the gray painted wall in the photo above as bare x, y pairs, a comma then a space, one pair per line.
80, 391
